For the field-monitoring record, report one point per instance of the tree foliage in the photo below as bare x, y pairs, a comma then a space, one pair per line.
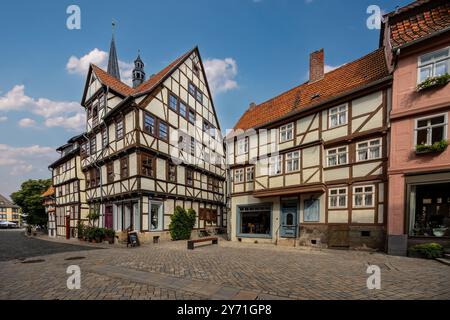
182, 223
30, 200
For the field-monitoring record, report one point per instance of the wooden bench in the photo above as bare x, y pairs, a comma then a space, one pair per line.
190, 243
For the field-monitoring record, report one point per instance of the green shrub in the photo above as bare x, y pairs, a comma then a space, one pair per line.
182, 223
427, 250
438, 146
434, 82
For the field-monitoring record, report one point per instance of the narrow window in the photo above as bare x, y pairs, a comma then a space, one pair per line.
249, 174
287, 132
293, 161
191, 116
124, 168
110, 172
172, 172
149, 124
275, 165
119, 128
163, 133
173, 102
148, 165
238, 175
242, 146
93, 145
183, 109
189, 177
104, 138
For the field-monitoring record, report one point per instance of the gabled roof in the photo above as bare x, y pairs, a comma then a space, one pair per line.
5, 203
418, 20
338, 82
125, 90
160, 76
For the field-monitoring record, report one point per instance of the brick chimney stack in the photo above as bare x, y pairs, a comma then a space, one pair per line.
316, 65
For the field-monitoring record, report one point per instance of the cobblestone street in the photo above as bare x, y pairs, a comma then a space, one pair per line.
227, 271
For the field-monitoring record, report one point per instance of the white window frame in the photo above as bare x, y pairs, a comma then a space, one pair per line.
239, 175
249, 170
242, 146
275, 165
290, 158
337, 156
336, 111
338, 195
287, 132
432, 63
368, 149
364, 195
429, 127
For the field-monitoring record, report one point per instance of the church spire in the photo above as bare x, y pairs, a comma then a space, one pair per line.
113, 63
138, 71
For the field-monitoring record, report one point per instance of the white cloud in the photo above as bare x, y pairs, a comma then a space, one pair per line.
98, 57
23, 158
328, 68
3, 119
66, 114
21, 163
27, 123
221, 74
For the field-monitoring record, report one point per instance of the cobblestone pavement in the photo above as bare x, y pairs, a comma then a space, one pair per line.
15, 245
225, 271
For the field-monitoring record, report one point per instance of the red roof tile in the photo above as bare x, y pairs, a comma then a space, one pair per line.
351, 76
112, 82
417, 20
50, 192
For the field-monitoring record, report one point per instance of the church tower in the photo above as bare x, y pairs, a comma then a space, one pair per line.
113, 62
138, 72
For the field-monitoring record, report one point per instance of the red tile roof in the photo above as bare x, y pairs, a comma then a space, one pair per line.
126, 90
335, 83
417, 20
50, 192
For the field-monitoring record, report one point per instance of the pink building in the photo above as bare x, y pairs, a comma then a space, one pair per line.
417, 41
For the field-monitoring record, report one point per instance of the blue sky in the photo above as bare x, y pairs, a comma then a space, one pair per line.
254, 49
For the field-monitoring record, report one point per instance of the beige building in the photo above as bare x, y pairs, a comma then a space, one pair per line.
9, 211
308, 167
152, 147
69, 198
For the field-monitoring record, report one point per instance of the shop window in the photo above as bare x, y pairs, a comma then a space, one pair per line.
430, 210
255, 220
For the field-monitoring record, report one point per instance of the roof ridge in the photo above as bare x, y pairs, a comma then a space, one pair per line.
307, 82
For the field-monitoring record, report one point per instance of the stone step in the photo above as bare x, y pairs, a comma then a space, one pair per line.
444, 261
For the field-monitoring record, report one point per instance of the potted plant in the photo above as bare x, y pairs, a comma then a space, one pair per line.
110, 235
433, 82
437, 147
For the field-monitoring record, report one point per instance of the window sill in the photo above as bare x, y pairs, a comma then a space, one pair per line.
254, 235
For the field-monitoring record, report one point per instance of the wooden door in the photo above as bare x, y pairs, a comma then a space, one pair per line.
338, 236
109, 217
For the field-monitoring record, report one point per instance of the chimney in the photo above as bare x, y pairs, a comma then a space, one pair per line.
316, 65
251, 106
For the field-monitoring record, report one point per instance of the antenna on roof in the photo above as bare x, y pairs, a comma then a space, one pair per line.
113, 26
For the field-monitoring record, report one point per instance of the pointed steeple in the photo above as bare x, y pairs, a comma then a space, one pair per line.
113, 62
138, 71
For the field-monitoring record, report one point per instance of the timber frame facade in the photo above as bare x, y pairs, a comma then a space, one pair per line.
316, 175
151, 148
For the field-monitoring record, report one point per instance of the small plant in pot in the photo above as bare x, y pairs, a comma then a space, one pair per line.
110, 235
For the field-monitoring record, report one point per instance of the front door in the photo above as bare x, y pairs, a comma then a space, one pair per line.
68, 227
288, 223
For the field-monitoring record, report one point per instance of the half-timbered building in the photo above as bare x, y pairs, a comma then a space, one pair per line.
68, 182
153, 146
308, 167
